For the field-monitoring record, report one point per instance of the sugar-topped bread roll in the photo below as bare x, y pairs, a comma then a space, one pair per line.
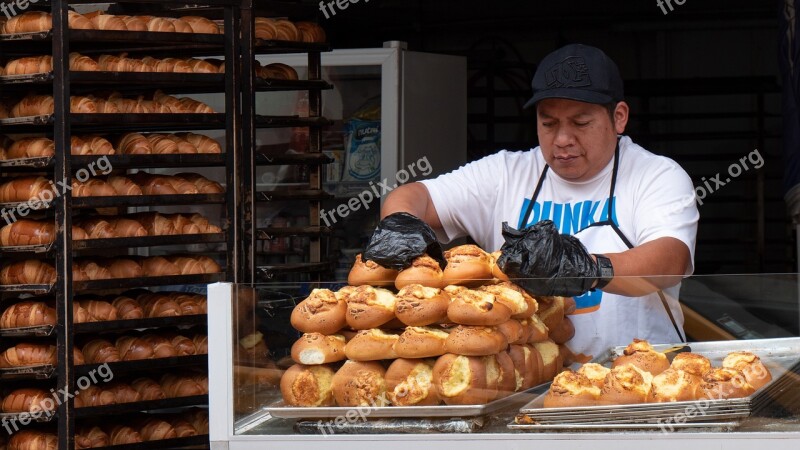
467, 265
369, 307
461, 380
418, 305
595, 373
518, 301
571, 389
675, 385
627, 384
754, 371
641, 354
409, 382
316, 348
421, 342
423, 270
475, 341
308, 385
472, 307
723, 383
371, 345
360, 384
370, 273
321, 312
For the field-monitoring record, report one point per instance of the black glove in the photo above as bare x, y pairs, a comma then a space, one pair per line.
546, 262
399, 239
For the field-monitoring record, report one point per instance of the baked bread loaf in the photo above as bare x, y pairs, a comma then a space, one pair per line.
265, 28
641, 354
28, 314
417, 305
308, 385
626, 384
538, 330
461, 380
31, 271
675, 385
467, 265
91, 437
162, 347
22, 189
182, 344
108, 22
472, 307
95, 396
182, 427
181, 386
551, 311
571, 389
475, 341
27, 400
692, 363
202, 143
360, 384
201, 25
127, 308
123, 392
33, 147
751, 366
521, 304
93, 187
157, 430
596, 373
316, 348
369, 307
148, 389
28, 354
99, 351
723, 383
123, 434
551, 358
423, 270
371, 345
528, 366
514, 331
33, 232
507, 383
158, 266
133, 348
26, 439
91, 145
321, 312
370, 273
421, 342
409, 382
134, 144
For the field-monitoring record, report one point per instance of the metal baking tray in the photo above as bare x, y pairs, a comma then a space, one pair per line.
710, 426
781, 356
271, 85
39, 330
41, 372
147, 200
39, 162
32, 205
121, 283
108, 123
39, 248
146, 405
138, 324
29, 78
181, 160
39, 417
274, 46
150, 241
289, 412
39, 289
289, 121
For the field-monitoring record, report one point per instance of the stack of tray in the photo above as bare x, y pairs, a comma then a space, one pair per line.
781, 356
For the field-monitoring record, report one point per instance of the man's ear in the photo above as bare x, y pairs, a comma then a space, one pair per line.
621, 117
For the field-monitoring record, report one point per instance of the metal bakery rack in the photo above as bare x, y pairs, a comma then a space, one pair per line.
60, 126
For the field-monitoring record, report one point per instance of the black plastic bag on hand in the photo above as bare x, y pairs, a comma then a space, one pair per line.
399, 239
547, 262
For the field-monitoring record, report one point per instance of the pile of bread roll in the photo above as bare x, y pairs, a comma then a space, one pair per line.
643, 375
145, 346
34, 271
38, 21
28, 354
286, 30
26, 232
161, 103
458, 336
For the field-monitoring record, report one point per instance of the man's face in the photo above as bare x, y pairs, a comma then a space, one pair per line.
578, 139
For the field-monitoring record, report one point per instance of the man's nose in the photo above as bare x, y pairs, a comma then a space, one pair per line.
564, 137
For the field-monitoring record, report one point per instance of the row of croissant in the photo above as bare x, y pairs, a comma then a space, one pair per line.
161, 103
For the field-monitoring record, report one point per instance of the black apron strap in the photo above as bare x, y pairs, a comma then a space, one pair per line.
534, 196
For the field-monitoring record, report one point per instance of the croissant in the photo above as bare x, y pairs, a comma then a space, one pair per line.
204, 225
154, 184
310, 32
173, 65
79, 22
203, 184
201, 25
111, 63
41, 105
156, 430
124, 228
199, 418
25, 399
92, 437
29, 22
96, 396
156, 224
99, 310
134, 23
127, 308
201, 343
28, 232
92, 145
123, 434
28, 354
265, 28
124, 393
157, 266
99, 351
30, 65
31, 271
32, 440
159, 305
180, 386
162, 347
81, 63
28, 314
93, 187
148, 389
125, 268
22, 189
78, 234
286, 31
183, 345
96, 227
187, 265
201, 66
93, 270
169, 101
78, 274
123, 186
108, 22
132, 348
184, 146
161, 145
134, 144
188, 105
182, 427
209, 265
80, 314
160, 25
182, 185
106, 107
183, 224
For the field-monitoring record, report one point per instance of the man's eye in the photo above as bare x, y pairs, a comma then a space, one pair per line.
582, 124
547, 124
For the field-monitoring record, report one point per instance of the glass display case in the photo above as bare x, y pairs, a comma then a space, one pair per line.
251, 348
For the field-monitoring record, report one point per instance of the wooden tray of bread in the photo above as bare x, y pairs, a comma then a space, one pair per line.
712, 400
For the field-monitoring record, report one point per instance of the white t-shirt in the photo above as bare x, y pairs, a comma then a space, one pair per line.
654, 198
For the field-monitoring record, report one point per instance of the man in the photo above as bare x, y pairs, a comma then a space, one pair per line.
632, 210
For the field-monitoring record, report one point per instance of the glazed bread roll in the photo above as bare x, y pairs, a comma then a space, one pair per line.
93, 270
538, 330
496, 272
181, 386
159, 305
754, 371
123, 186
564, 332
126, 228
369, 307
157, 430
183, 224
475, 341
98, 310
467, 265
108, 22
32, 440
32, 232
371, 345
370, 273
551, 358
98, 351
155, 224
161, 25
162, 145
31, 148
418, 306
461, 380
595, 373
675, 385
95, 227
201, 25
514, 331
360, 384
316, 349
127, 308
180, 25
691, 363
551, 311
28, 314
28, 22
507, 384
31, 271
571, 389
154, 184
182, 427
187, 265
134, 23
22, 189
308, 385
423, 270
421, 342
471, 307
626, 384
723, 383
514, 298
27, 400
182, 344
286, 31
190, 303
28, 354
641, 354
409, 382
123, 268
148, 389
322, 312
93, 187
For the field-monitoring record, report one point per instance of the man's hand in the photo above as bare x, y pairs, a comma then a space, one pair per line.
399, 239
546, 262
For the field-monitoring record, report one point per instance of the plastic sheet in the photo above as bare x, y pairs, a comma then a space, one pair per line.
399, 239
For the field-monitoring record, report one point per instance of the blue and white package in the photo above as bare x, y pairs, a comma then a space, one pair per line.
362, 150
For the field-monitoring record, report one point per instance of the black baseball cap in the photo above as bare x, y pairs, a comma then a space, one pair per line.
577, 72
